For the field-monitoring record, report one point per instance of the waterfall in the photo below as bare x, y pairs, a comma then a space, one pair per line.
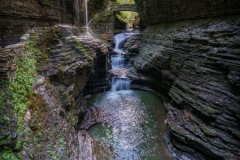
86, 16
121, 40
118, 61
77, 14
120, 84
86, 11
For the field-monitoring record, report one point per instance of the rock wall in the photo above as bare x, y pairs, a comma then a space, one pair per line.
197, 63
119, 24
64, 64
97, 6
159, 11
106, 25
98, 81
18, 16
103, 25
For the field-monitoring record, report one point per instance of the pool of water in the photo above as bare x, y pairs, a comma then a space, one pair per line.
136, 131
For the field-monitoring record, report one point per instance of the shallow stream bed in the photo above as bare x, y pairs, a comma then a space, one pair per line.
137, 129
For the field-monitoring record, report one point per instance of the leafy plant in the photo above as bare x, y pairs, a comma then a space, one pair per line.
127, 17
8, 154
125, 1
17, 92
118, 2
109, 13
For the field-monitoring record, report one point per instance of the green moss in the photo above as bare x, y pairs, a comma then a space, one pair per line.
119, 17
69, 98
109, 13
98, 37
20, 89
96, 20
127, 17
81, 49
208, 131
125, 2
61, 68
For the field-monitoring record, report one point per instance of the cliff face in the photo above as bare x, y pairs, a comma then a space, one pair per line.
64, 61
159, 11
197, 64
97, 6
18, 16
61, 59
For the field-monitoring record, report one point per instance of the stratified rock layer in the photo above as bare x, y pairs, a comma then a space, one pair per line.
159, 11
132, 43
197, 63
18, 16
64, 60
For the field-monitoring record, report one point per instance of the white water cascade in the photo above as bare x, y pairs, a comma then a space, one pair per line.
120, 84
86, 11
121, 40
117, 61
86, 16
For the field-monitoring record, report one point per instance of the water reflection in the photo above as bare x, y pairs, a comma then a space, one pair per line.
133, 134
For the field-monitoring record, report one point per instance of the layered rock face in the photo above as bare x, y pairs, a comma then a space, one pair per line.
159, 11
132, 43
103, 25
64, 63
17, 16
97, 6
98, 81
197, 63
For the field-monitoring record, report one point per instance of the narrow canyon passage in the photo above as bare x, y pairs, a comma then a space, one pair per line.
137, 126
119, 80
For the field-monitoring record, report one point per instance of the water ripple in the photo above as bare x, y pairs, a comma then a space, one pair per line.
133, 132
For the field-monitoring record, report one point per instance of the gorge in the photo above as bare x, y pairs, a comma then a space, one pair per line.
168, 88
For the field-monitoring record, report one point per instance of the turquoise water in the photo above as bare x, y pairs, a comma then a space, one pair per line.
136, 131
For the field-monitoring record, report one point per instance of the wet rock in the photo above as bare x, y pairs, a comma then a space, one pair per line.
132, 43
136, 22
118, 24
196, 65
119, 73
93, 116
4, 132
19, 16
160, 11
98, 79
123, 73
64, 64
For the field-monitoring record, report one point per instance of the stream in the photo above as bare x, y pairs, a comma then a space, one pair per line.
137, 130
